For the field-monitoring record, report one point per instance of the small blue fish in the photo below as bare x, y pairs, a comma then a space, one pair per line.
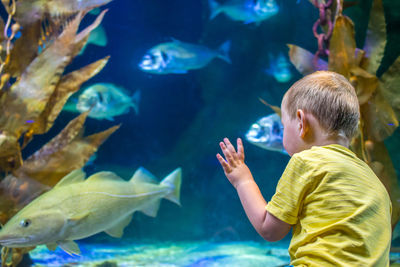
106, 100
267, 133
279, 68
178, 57
248, 11
97, 37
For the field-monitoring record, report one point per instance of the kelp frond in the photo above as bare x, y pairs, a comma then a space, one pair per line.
33, 91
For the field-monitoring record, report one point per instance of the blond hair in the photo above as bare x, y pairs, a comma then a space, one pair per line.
328, 96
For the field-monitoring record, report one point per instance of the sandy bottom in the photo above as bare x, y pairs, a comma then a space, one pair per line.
185, 254
167, 254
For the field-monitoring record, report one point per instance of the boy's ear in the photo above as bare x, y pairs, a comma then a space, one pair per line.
303, 125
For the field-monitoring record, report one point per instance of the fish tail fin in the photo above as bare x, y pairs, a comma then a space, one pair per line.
223, 51
173, 181
214, 8
135, 99
70, 107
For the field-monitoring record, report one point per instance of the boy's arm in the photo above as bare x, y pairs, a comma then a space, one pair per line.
237, 172
266, 224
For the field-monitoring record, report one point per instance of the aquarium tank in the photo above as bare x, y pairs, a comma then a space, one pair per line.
112, 112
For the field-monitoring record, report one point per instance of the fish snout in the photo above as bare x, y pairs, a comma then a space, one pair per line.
153, 62
146, 63
257, 134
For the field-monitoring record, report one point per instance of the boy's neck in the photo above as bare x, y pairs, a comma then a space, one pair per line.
330, 140
327, 141
318, 136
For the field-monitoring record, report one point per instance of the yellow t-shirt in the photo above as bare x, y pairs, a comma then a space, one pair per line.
339, 209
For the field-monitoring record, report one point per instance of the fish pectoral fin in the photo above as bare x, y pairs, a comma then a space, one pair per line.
52, 246
118, 229
78, 217
70, 247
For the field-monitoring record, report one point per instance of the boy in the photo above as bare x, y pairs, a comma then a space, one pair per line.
339, 210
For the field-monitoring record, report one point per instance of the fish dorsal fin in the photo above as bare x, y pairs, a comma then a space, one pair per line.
104, 176
174, 40
70, 247
144, 176
75, 176
118, 229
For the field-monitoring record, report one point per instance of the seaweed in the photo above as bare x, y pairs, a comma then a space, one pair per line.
33, 90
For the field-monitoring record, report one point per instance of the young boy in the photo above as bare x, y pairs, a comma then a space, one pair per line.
339, 210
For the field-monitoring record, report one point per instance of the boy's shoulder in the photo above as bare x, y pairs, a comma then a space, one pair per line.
332, 150
334, 153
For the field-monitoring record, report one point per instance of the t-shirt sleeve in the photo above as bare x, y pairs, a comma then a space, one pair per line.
288, 199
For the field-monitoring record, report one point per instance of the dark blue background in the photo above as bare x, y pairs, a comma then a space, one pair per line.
171, 103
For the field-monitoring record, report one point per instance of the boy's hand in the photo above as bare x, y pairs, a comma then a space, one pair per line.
234, 167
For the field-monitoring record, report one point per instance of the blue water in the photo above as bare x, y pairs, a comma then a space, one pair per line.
182, 118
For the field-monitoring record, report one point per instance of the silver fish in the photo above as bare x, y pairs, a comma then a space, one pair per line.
267, 133
77, 208
279, 68
247, 11
106, 100
178, 57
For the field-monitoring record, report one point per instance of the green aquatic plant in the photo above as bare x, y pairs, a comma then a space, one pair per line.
379, 97
33, 91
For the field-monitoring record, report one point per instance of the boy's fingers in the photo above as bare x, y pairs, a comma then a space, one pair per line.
224, 164
240, 149
230, 147
227, 154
